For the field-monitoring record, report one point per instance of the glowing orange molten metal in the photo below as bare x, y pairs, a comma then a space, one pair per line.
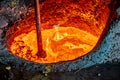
70, 29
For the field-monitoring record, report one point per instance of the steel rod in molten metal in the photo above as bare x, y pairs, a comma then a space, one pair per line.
40, 52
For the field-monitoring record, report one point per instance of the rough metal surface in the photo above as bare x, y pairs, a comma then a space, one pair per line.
107, 51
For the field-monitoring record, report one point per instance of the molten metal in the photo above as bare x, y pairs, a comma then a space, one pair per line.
70, 29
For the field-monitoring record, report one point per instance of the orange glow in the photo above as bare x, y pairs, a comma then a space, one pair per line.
70, 29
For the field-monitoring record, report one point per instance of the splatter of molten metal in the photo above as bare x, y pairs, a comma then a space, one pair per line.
70, 29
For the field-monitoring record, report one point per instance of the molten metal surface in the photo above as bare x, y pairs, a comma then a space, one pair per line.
70, 29
62, 43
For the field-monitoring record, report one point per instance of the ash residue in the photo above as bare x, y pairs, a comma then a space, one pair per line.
11, 10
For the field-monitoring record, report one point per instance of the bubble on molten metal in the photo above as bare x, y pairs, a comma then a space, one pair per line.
69, 31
